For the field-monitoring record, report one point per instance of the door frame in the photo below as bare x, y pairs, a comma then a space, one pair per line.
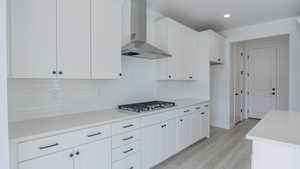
283, 85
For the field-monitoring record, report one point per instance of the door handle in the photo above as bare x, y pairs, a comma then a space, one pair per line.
273, 89
273, 93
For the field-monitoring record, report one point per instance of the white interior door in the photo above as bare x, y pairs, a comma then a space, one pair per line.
262, 82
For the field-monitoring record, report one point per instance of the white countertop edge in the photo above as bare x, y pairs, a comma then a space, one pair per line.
260, 139
72, 129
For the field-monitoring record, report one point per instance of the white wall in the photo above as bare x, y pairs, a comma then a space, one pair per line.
3, 89
279, 27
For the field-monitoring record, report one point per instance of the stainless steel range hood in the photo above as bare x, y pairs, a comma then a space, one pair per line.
138, 46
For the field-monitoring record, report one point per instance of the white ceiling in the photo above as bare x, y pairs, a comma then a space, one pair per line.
204, 14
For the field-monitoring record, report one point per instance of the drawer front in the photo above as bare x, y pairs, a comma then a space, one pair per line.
125, 151
94, 134
202, 107
123, 139
36, 148
158, 118
125, 126
131, 162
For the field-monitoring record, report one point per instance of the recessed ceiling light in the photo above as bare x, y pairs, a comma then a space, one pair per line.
227, 16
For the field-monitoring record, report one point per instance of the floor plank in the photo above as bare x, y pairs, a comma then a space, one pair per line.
225, 149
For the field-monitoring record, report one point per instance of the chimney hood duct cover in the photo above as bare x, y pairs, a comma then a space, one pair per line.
138, 46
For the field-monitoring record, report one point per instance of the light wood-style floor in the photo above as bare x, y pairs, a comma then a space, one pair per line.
225, 149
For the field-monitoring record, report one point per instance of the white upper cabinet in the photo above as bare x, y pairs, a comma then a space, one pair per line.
213, 45
68, 39
106, 39
73, 18
179, 41
33, 39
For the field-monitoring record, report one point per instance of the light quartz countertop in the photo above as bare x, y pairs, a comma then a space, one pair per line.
29, 129
278, 126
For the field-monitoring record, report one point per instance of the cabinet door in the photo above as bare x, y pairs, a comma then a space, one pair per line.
176, 47
106, 39
73, 18
61, 160
151, 146
33, 39
196, 127
204, 124
96, 155
183, 132
168, 135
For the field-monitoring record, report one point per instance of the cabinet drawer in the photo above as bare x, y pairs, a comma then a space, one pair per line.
131, 162
158, 118
126, 138
125, 151
93, 134
36, 148
125, 126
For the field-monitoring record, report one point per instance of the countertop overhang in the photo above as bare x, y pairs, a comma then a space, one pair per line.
281, 127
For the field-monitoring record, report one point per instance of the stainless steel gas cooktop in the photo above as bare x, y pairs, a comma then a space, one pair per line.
147, 106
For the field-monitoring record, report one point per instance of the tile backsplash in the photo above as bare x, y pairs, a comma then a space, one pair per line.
41, 98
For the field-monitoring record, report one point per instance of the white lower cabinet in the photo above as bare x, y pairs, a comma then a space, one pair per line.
183, 134
151, 146
131, 162
92, 156
158, 143
196, 126
95, 155
139, 143
61, 160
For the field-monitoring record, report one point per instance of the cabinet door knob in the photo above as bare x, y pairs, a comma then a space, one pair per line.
54, 72
120, 74
219, 60
71, 155
77, 153
191, 77
202, 113
60, 72
170, 76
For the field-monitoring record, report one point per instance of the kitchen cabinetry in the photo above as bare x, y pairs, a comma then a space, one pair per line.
66, 39
77, 158
33, 39
158, 143
73, 33
183, 130
212, 45
138, 142
181, 42
106, 39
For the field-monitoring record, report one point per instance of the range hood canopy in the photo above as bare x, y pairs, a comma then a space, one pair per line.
138, 46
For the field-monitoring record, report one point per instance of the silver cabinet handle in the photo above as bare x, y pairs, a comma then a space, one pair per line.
127, 151
128, 138
198, 108
96, 134
131, 167
187, 111
127, 126
163, 126
202, 113
206, 105
48, 146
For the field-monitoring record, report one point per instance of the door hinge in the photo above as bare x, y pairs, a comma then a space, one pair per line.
241, 110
